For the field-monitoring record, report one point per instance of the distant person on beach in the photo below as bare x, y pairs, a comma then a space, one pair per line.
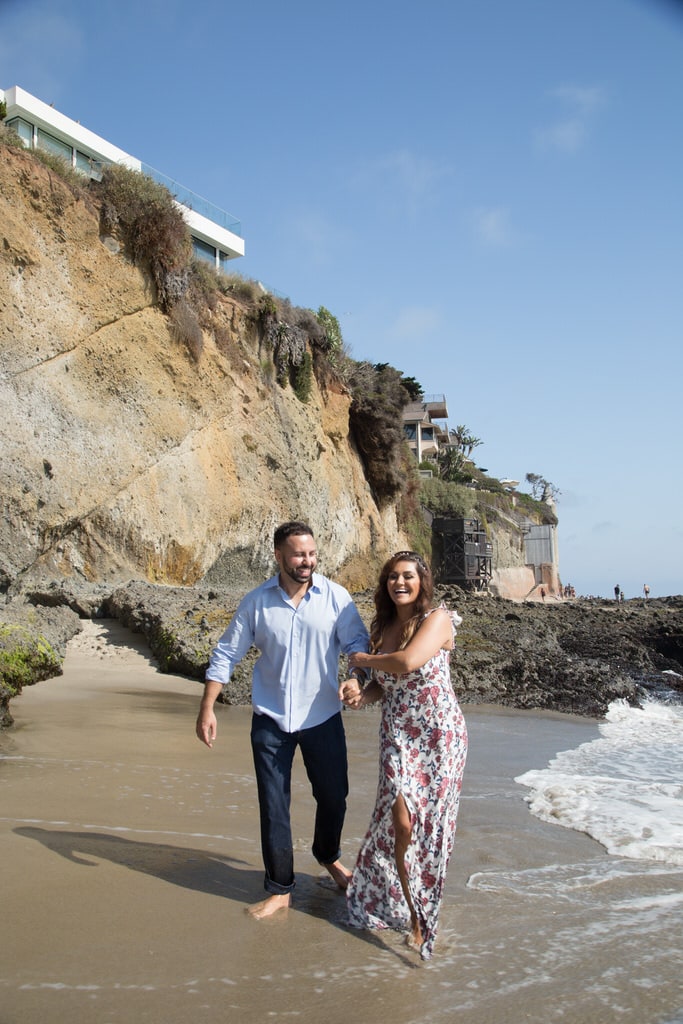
300, 622
401, 868
617, 591
646, 591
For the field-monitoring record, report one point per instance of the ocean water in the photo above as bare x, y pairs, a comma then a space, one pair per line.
624, 789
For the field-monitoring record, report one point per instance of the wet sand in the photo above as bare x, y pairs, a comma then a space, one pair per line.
130, 852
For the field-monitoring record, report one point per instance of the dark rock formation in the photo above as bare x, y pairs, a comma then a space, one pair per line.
573, 657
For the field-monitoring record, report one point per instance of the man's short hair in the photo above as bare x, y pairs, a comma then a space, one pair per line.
296, 528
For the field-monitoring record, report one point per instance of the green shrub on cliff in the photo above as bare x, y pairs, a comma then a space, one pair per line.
333, 343
152, 227
297, 342
303, 378
242, 288
56, 163
9, 138
186, 330
444, 498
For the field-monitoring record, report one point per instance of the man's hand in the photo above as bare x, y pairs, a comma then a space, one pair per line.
350, 693
206, 725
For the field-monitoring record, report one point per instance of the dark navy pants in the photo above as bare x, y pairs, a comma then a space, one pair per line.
323, 748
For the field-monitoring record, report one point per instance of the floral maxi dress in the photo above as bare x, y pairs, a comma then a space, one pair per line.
423, 745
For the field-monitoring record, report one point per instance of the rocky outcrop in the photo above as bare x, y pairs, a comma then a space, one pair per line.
574, 657
32, 647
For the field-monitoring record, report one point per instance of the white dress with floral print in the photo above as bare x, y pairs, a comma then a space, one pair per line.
423, 745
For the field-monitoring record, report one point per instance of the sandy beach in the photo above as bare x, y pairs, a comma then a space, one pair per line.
130, 852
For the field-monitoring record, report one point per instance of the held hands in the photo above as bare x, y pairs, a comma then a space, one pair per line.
350, 694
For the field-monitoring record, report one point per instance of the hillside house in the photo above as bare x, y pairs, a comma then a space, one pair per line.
216, 235
425, 427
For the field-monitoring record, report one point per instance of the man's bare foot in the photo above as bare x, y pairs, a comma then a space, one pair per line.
340, 874
270, 906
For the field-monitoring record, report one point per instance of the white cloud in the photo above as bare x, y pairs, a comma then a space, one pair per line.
402, 175
585, 99
604, 529
415, 322
316, 237
579, 106
492, 226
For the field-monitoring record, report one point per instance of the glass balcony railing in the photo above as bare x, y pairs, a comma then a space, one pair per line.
194, 202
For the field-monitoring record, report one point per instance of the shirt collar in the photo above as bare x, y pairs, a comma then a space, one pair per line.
316, 580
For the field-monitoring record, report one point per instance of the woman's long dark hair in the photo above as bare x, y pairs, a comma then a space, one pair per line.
385, 609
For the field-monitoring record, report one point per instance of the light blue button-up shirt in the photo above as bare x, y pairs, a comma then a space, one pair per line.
295, 676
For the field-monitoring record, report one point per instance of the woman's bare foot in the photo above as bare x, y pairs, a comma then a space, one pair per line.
270, 906
340, 874
414, 938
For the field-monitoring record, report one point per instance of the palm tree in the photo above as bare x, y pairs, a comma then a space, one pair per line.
463, 440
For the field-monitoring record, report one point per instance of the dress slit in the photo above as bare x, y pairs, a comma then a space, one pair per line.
423, 746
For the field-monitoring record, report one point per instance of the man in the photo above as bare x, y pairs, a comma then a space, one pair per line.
300, 622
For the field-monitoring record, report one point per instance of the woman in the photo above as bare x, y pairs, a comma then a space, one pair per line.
401, 869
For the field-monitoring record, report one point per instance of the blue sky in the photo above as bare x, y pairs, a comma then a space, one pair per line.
488, 194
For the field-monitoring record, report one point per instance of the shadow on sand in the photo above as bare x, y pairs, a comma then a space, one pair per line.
190, 868
204, 872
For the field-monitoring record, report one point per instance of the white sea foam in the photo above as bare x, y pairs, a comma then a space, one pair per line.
624, 789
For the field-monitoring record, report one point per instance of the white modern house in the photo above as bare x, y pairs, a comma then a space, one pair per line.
216, 236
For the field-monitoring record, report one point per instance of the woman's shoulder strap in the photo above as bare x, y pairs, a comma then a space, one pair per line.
454, 617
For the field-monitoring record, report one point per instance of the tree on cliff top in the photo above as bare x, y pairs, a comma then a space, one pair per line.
376, 423
542, 489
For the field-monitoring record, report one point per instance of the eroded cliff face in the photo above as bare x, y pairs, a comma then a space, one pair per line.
121, 456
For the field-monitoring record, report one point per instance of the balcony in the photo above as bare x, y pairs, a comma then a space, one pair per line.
194, 202
436, 406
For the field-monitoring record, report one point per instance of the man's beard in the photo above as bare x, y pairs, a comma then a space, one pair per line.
301, 574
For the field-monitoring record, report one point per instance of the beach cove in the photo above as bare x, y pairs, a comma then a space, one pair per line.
130, 852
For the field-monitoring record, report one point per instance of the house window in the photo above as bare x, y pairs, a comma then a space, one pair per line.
428, 433
204, 251
409, 431
89, 165
23, 129
223, 260
53, 145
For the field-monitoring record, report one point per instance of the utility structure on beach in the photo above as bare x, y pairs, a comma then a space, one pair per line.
461, 553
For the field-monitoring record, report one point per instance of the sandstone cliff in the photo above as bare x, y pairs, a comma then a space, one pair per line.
124, 458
